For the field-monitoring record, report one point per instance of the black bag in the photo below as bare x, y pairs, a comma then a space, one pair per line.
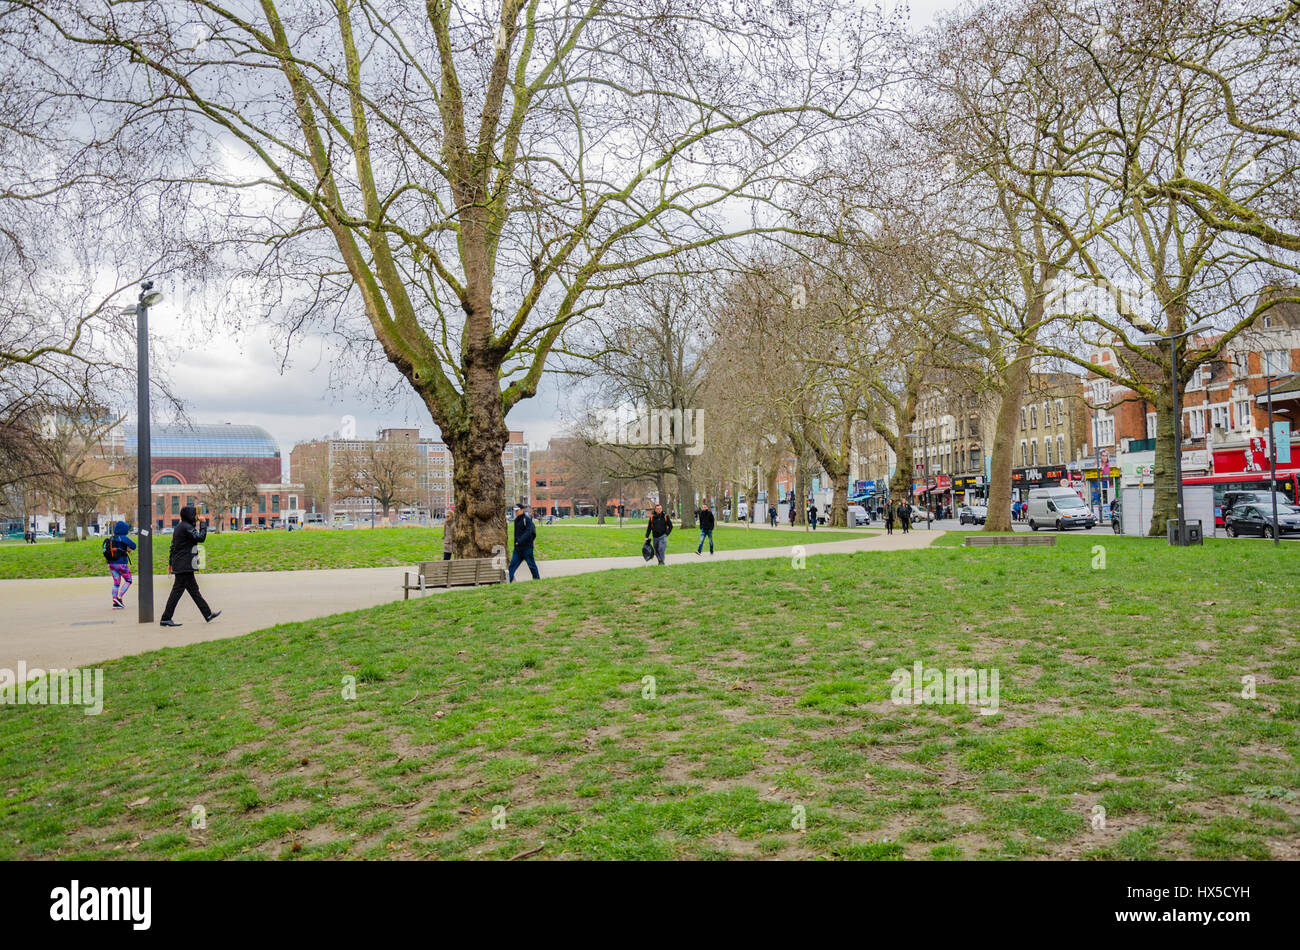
647, 550
110, 549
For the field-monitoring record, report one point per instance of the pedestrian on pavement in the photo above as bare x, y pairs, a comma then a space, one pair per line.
182, 561
889, 519
812, 516
771, 515
525, 535
659, 527
447, 547
706, 528
905, 516
117, 552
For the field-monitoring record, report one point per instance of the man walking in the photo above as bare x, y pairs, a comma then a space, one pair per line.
525, 535
660, 526
183, 559
706, 528
812, 516
905, 516
889, 519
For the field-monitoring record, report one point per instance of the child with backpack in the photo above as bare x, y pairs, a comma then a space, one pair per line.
117, 552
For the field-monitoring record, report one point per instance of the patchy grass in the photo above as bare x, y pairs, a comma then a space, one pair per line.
1121, 697
382, 547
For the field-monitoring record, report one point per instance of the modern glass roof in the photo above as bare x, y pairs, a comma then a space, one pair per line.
206, 441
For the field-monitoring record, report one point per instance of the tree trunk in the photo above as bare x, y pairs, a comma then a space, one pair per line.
1165, 501
685, 486
478, 477
1004, 433
840, 500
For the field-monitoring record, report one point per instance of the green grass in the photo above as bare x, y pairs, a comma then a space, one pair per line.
1120, 688
382, 547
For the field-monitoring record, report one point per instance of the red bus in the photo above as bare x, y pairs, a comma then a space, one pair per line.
1243, 481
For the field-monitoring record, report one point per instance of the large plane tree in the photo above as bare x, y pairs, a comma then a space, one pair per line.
455, 182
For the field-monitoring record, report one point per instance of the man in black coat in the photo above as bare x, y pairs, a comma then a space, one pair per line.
525, 534
660, 526
183, 560
706, 528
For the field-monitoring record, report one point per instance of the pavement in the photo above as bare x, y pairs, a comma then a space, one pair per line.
63, 623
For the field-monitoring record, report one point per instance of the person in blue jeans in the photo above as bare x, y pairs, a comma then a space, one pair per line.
525, 534
706, 528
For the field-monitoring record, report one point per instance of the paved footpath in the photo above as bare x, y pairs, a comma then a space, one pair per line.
63, 623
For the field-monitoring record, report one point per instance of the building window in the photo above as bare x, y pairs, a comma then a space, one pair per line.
1060, 410
1219, 417
1047, 414
1022, 419
176, 504
1244, 418
1024, 453
1277, 363
1033, 452
1239, 367
275, 504
1195, 423
161, 506
1151, 425
1047, 450
1060, 448
261, 504
1033, 417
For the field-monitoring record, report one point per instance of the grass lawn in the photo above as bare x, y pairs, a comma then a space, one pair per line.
1120, 689
382, 547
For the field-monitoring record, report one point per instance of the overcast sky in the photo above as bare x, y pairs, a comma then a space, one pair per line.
239, 379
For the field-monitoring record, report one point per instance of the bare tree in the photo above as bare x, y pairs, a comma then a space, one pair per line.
227, 487
472, 179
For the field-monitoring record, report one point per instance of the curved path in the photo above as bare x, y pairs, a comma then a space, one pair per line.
63, 623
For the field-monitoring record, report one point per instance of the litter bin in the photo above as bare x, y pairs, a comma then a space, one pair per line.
1191, 532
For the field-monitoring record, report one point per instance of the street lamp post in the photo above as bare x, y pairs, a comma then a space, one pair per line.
144, 453
1178, 428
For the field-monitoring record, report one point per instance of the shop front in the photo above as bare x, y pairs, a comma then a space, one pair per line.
970, 490
1023, 479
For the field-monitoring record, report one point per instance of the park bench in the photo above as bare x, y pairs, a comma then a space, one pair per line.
458, 572
1021, 540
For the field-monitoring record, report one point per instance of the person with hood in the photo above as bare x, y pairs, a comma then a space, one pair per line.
660, 525
182, 562
117, 551
889, 518
812, 516
525, 535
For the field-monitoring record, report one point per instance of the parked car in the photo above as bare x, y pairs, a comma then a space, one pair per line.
857, 515
972, 514
1235, 499
1061, 508
1258, 520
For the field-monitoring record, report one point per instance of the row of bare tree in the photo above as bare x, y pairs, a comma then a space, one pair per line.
806, 215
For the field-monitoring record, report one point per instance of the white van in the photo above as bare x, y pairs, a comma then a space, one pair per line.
1058, 508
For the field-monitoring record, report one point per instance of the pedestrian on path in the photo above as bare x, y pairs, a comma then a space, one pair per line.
182, 561
117, 552
905, 516
771, 515
525, 535
889, 519
658, 528
706, 528
812, 516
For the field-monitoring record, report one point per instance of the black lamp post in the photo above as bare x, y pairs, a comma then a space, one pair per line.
144, 452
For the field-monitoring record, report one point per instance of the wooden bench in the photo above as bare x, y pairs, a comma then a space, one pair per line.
458, 572
1021, 540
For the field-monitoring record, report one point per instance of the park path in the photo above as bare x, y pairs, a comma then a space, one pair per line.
62, 623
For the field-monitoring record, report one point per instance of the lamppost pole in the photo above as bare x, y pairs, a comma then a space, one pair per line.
144, 455
1272, 457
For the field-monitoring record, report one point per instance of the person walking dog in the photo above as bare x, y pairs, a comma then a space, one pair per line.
525, 535
659, 526
182, 561
117, 552
706, 528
